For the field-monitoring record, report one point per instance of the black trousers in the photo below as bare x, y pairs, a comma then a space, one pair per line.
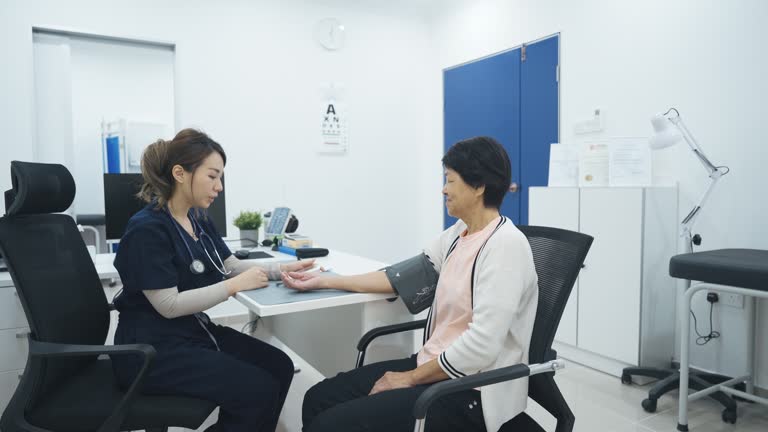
248, 379
342, 404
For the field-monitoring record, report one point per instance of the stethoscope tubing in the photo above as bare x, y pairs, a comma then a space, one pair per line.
202, 234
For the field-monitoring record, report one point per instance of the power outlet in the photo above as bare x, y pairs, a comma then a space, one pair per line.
732, 300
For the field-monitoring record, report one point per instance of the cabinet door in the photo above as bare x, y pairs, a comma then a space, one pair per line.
609, 286
9, 380
11, 311
559, 208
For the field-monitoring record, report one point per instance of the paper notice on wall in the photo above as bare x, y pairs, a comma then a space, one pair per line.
333, 137
629, 162
563, 165
593, 164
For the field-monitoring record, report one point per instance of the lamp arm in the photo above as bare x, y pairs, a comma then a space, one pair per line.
686, 225
694, 145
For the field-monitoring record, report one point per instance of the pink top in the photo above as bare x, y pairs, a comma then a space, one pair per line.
452, 312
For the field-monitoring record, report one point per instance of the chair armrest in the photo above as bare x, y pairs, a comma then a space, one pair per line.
148, 352
508, 373
367, 338
49, 349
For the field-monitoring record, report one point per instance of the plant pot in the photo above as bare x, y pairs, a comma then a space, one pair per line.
252, 235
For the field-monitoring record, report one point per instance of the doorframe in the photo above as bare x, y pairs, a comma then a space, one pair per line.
112, 37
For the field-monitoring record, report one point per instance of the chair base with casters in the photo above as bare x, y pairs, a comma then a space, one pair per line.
736, 271
669, 379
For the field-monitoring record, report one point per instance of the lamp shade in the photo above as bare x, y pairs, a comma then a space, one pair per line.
665, 133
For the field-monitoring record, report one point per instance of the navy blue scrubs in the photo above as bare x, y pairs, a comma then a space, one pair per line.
247, 378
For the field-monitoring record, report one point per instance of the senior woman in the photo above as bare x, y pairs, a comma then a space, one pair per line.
480, 281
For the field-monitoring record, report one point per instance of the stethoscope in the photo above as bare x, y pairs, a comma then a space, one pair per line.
197, 267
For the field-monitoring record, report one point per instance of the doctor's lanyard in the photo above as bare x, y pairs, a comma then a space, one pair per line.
196, 266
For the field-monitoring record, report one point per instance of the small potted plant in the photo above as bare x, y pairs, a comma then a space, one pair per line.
248, 222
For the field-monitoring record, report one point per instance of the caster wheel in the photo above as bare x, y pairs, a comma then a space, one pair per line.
729, 416
626, 379
649, 405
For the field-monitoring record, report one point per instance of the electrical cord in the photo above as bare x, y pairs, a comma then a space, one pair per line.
250, 326
704, 339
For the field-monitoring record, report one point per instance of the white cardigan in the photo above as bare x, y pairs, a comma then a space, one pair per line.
504, 300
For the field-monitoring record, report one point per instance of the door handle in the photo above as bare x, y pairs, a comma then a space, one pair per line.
22, 334
513, 187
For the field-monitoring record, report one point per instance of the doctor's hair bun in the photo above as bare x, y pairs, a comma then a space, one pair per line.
189, 148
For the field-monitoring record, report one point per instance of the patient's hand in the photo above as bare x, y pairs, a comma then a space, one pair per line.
303, 281
392, 381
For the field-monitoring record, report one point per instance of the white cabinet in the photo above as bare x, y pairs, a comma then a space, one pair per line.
13, 342
622, 310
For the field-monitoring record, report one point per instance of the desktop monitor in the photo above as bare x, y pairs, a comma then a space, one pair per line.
121, 202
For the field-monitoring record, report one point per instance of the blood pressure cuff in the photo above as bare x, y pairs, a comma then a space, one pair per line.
415, 281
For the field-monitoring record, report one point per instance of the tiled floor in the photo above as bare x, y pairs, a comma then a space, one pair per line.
602, 404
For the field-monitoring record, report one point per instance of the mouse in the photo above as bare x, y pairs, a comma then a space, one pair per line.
242, 253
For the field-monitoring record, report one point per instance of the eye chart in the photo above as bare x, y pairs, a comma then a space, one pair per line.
334, 138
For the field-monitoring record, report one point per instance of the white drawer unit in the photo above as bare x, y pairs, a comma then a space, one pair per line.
11, 312
9, 380
13, 354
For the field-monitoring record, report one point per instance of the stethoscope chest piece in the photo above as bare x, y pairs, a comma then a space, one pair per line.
197, 267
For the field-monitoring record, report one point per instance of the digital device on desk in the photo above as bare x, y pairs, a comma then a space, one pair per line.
278, 222
121, 202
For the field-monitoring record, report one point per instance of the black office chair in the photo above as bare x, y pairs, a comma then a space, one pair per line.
558, 256
66, 385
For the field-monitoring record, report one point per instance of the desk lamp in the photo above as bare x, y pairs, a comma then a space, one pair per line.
669, 129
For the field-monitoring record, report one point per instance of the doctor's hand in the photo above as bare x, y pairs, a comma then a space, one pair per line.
392, 381
303, 281
297, 266
252, 278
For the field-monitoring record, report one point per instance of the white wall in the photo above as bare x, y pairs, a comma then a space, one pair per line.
633, 59
250, 74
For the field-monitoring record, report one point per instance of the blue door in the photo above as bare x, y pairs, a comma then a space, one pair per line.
512, 96
483, 98
539, 115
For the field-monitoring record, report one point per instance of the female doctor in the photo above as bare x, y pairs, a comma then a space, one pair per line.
173, 266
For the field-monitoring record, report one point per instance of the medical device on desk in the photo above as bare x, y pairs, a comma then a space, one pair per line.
279, 220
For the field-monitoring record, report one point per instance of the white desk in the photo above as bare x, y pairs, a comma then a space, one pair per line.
339, 262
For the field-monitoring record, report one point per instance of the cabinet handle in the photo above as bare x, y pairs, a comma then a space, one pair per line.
21, 376
22, 334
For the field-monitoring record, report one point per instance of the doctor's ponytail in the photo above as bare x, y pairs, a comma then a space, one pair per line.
188, 148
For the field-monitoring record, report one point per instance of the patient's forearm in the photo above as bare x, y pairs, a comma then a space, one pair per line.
428, 373
373, 282
170, 303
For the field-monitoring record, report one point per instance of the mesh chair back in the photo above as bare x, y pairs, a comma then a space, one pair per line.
558, 256
55, 277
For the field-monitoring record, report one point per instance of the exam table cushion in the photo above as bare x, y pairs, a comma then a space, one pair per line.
743, 268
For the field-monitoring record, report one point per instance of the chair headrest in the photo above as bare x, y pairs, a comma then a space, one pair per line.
39, 188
